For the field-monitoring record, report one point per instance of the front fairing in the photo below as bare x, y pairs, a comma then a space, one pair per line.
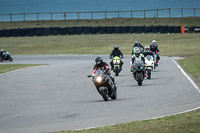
99, 78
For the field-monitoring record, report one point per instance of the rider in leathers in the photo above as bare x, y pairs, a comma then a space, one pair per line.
154, 48
137, 55
147, 51
116, 52
104, 66
139, 45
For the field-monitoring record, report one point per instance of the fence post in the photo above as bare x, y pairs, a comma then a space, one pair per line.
78, 15
92, 15
169, 12
38, 17
181, 12
144, 13
131, 13
51, 16
24, 17
105, 15
65, 15
157, 13
194, 12
10, 17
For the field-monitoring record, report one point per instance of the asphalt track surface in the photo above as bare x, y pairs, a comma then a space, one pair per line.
59, 96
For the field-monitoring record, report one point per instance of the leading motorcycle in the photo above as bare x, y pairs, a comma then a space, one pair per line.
104, 85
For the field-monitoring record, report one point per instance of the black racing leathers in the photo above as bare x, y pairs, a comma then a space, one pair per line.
145, 53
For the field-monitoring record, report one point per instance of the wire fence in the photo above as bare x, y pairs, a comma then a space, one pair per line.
153, 13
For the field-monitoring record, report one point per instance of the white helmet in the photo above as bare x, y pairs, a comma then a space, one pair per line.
1, 49
154, 41
147, 48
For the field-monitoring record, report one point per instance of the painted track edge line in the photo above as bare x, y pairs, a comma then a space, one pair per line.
184, 73
12, 71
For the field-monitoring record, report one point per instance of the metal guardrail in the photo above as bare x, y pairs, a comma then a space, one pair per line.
152, 13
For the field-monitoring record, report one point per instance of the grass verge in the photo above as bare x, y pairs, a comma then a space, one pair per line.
181, 123
189, 21
10, 67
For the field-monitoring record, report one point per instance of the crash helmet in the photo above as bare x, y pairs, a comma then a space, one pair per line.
154, 42
147, 48
116, 47
136, 43
153, 45
1, 49
98, 60
137, 52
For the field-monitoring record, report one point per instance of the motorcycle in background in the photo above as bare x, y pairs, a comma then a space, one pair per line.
6, 56
117, 65
149, 61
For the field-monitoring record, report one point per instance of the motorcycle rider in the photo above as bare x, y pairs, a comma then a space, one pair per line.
116, 52
104, 66
154, 48
147, 51
137, 55
139, 45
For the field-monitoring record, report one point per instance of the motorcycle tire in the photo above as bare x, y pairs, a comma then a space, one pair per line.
114, 96
148, 74
105, 95
1, 60
116, 74
10, 59
139, 77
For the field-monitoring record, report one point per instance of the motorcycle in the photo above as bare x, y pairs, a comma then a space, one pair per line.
155, 60
6, 56
104, 85
139, 71
149, 61
117, 65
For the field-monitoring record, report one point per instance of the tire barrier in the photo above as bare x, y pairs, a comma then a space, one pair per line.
47, 31
163, 29
63, 31
55, 30
124, 29
39, 31
86, 30
76, 30
30, 32
93, 30
102, 30
132, 29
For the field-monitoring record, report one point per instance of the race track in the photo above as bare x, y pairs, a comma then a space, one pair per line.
59, 96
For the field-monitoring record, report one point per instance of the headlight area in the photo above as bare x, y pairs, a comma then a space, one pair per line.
99, 79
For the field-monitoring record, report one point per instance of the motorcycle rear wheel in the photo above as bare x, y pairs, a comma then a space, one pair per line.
149, 74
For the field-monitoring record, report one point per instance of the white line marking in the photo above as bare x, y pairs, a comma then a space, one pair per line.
191, 81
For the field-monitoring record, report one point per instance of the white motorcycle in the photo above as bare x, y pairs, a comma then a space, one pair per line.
149, 61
